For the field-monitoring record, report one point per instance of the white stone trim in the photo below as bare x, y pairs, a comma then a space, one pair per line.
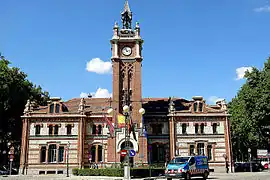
135, 145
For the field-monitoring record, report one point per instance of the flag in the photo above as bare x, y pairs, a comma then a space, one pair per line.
109, 123
121, 120
144, 128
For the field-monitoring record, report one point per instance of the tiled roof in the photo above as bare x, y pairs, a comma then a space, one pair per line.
152, 105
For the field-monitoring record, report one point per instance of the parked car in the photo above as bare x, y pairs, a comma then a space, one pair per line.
245, 167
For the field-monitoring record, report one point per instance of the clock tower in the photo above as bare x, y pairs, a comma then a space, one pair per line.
126, 46
126, 60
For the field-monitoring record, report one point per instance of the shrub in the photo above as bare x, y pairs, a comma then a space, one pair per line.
118, 172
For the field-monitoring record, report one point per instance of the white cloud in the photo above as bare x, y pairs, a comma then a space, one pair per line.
100, 93
241, 72
214, 99
98, 66
263, 9
83, 95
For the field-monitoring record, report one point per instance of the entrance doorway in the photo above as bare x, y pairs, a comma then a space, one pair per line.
131, 159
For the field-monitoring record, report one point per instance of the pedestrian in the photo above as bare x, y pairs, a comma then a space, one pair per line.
227, 167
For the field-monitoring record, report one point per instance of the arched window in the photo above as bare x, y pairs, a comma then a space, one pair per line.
196, 128
184, 128
57, 108
195, 106
93, 153
202, 128
200, 107
52, 108
100, 153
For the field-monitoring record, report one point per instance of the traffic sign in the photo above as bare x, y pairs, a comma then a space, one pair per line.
132, 153
123, 153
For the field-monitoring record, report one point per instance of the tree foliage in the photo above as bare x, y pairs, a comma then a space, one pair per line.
250, 111
15, 90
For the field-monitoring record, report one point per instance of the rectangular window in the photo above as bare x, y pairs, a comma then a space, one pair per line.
209, 152
50, 130
215, 128
43, 154
191, 150
52, 153
69, 127
94, 129
200, 148
37, 132
184, 128
61, 154
56, 127
202, 128
196, 128
99, 129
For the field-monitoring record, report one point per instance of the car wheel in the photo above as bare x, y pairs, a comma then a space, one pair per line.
188, 176
169, 178
205, 175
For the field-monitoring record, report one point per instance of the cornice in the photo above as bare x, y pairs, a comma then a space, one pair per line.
199, 115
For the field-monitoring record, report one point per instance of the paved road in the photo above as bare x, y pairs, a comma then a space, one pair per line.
213, 176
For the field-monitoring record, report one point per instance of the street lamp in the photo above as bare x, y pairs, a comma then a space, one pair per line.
250, 165
67, 152
126, 111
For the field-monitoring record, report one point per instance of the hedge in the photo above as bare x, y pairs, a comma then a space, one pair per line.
118, 172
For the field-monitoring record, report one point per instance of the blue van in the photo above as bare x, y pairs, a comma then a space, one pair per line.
187, 167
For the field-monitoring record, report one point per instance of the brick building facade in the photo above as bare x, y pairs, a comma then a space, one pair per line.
78, 128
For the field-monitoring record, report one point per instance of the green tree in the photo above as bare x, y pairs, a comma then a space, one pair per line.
15, 90
250, 111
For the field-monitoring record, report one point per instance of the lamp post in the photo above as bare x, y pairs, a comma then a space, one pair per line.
250, 164
67, 151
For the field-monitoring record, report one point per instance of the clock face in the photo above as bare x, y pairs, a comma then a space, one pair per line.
127, 51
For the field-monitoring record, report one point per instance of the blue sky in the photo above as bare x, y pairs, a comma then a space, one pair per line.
191, 47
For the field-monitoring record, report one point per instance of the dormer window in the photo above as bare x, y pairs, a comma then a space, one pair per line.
195, 107
55, 105
200, 107
52, 108
198, 103
57, 108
